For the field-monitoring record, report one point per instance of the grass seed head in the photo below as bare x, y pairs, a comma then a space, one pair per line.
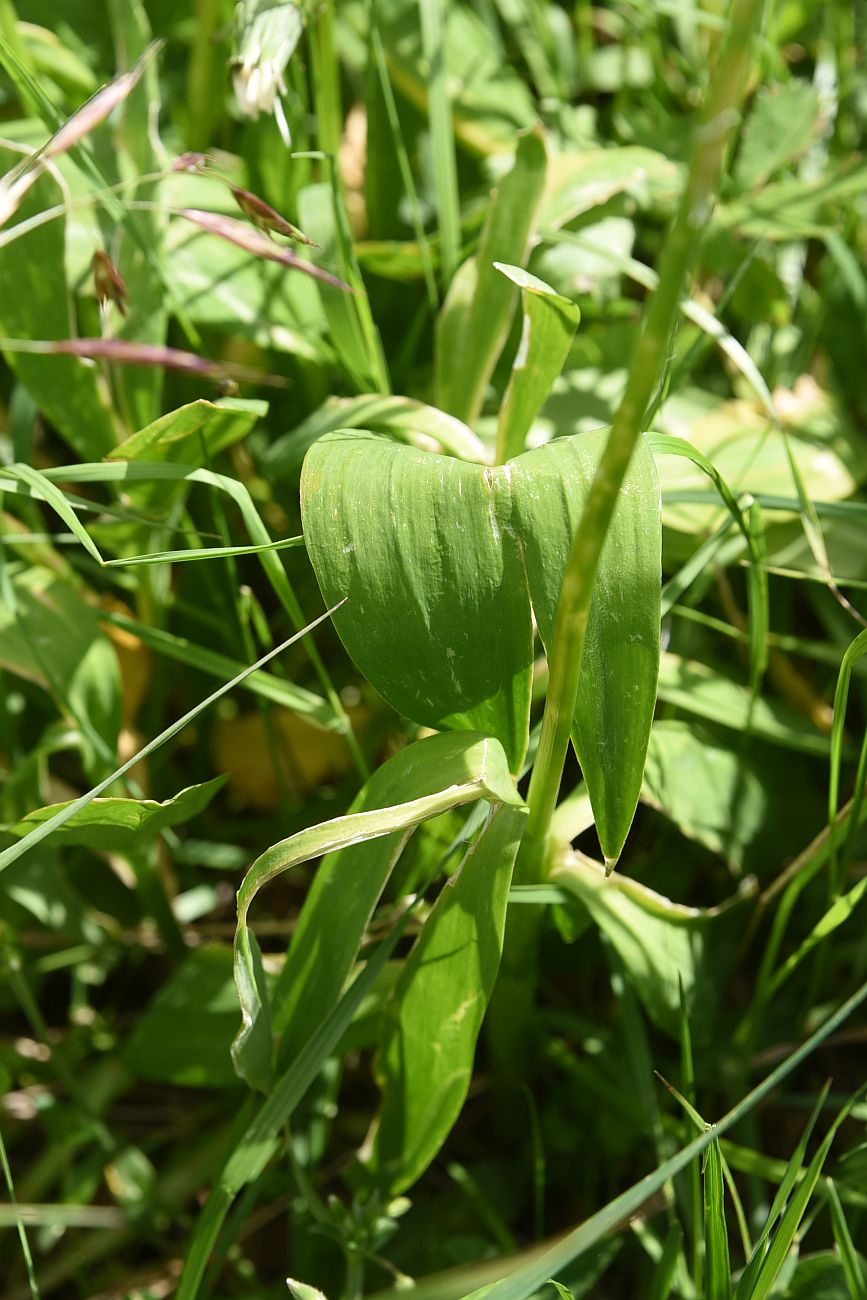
109, 285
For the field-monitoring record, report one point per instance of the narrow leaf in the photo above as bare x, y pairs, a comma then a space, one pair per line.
476, 315
426, 1058
718, 1267
548, 327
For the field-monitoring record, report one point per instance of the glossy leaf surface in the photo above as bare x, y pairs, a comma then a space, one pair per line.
617, 689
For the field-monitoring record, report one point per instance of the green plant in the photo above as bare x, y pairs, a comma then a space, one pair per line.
419, 229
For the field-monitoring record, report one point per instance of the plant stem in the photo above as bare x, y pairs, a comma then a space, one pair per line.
203, 80
432, 16
326, 81
718, 117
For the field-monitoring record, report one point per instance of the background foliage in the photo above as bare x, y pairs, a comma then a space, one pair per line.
418, 145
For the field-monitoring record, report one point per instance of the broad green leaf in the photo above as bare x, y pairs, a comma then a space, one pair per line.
666, 948
476, 315
716, 1243
617, 690
751, 454
425, 1061
439, 557
731, 793
348, 883
701, 691
190, 433
580, 180
50, 636
548, 327
782, 123
477, 770
120, 825
422, 545
185, 1035
34, 304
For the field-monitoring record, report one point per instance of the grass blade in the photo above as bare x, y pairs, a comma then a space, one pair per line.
18, 850
855, 1279
433, 19
527, 1280
255, 1146
716, 1241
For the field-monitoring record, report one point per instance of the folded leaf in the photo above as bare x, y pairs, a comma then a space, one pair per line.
448, 771
476, 315
438, 616
547, 330
348, 883
441, 561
